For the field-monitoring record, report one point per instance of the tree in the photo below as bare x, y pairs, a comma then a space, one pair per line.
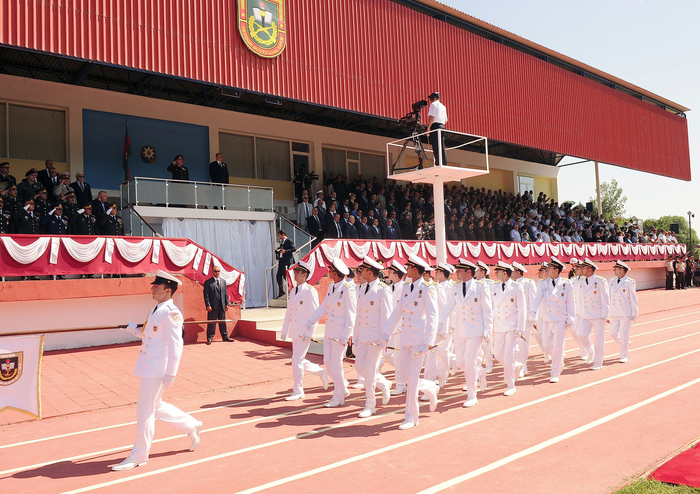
612, 200
664, 223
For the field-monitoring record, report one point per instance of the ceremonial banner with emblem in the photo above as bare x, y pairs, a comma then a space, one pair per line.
263, 26
20, 371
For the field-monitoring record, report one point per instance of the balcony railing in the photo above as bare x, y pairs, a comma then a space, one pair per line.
179, 193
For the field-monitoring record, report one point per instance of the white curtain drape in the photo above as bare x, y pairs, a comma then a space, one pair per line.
180, 256
133, 251
28, 254
83, 252
245, 245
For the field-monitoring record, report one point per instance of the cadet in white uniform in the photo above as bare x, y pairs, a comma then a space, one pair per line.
339, 307
417, 315
157, 365
482, 272
624, 308
396, 273
539, 324
595, 307
509, 319
374, 306
303, 300
471, 313
576, 280
530, 290
434, 369
556, 297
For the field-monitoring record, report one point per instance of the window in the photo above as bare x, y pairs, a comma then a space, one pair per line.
258, 157
525, 184
334, 162
239, 151
273, 159
353, 163
373, 165
34, 133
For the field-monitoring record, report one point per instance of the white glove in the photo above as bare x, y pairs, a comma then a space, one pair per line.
633, 318
487, 337
423, 348
133, 328
305, 337
344, 341
283, 336
384, 342
168, 381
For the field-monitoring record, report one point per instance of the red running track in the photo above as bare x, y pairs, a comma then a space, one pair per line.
588, 433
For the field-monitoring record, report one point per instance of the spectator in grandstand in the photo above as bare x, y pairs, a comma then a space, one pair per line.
46, 178
55, 223
315, 226
85, 223
64, 188
28, 222
83, 192
27, 189
99, 208
218, 170
284, 252
178, 170
6, 223
350, 229
6, 180
303, 210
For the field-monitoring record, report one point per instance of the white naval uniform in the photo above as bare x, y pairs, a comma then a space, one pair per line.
433, 369
538, 319
487, 348
523, 350
624, 309
374, 307
303, 300
394, 356
595, 308
339, 307
161, 350
557, 305
417, 315
471, 312
574, 330
509, 319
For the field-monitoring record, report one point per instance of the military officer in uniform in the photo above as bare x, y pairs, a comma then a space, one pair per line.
85, 221
27, 189
595, 308
159, 359
340, 309
576, 280
556, 297
482, 273
5, 219
178, 170
303, 301
435, 369
624, 308
42, 205
374, 306
396, 274
55, 223
5, 177
530, 290
111, 223
542, 278
471, 311
70, 209
12, 205
418, 317
29, 223
509, 320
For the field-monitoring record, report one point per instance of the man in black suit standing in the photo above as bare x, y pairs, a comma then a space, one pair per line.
285, 250
45, 178
387, 231
315, 226
82, 190
218, 170
350, 230
216, 301
363, 228
375, 230
335, 228
99, 208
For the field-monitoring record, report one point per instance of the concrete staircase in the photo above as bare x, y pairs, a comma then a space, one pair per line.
265, 325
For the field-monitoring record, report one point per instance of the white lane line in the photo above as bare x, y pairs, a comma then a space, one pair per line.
562, 437
372, 453
201, 410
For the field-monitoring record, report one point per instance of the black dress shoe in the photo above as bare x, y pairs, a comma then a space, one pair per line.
208, 342
228, 340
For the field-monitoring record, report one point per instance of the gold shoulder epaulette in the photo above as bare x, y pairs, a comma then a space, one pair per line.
348, 285
481, 281
632, 280
383, 284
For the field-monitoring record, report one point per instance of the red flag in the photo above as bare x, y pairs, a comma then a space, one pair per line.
127, 151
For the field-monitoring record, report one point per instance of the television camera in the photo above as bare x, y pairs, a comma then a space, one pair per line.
411, 123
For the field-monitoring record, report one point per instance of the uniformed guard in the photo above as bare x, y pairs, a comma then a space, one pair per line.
530, 291
178, 170
340, 309
539, 324
27, 189
111, 223
471, 311
557, 299
374, 306
42, 205
159, 359
28, 221
303, 300
55, 223
595, 308
624, 308
417, 315
396, 274
12, 205
6, 222
439, 359
482, 273
85, 221
70, 209
5, 178
509, 319
576, 280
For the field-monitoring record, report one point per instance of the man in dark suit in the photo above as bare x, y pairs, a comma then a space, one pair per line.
315, 227
363, 229
44, 176
350, 230
285, 250
375, 231
387, 231
335, 228
216, 302
82, 190
218, 170
99, 208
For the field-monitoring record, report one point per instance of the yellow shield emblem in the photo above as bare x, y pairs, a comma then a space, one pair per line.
263, 26
10, 368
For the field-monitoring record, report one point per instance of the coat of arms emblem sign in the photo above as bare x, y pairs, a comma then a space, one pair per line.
263, 26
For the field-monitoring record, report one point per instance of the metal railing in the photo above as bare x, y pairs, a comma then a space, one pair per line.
135, 225
162, 192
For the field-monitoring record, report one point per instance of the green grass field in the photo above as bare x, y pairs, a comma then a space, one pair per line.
655, 487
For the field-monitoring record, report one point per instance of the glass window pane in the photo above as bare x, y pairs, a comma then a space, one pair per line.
353, 169
210, 195
373, 165
180, 194
353, 155
333, 162
238, 153
236, 198
273, 160
148, 192
37, 133
300, 147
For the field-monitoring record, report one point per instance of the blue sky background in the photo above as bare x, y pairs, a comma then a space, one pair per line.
652, 44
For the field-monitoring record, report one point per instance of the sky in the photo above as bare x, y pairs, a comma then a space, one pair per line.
650, 43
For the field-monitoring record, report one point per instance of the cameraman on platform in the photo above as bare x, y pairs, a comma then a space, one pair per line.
437, 118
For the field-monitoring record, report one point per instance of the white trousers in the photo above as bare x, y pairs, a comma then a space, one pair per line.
333, 353
522, 351
504, 346
411, 366
576, 335
151, 407
553, 336
620, 332
300, 364
467, 352
537, 333
585, 328
367, 358
488, 354
439, 358
394, 358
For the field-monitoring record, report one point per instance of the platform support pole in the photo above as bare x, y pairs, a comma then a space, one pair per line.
440, 237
